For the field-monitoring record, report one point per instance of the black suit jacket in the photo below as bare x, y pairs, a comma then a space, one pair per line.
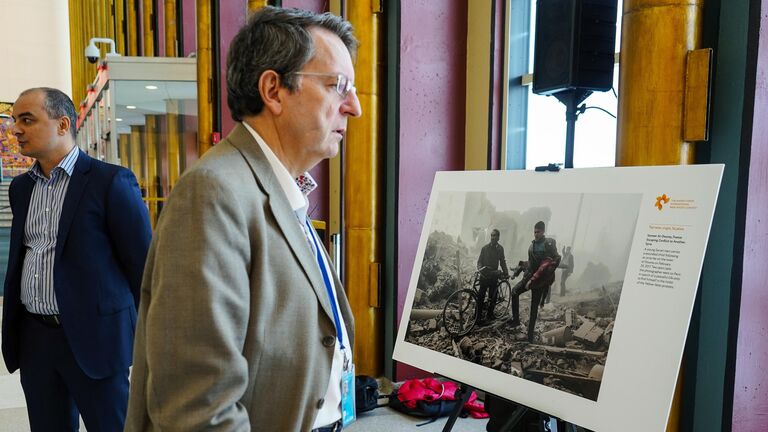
102, 242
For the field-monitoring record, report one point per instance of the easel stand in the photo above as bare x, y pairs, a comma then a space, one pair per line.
507, 416
514, 418
462, 394
511, 416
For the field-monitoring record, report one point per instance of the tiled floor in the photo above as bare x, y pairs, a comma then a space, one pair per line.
389, 420
13, 413
11, 395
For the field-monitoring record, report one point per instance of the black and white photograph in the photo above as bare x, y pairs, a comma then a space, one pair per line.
566, 292
527, 284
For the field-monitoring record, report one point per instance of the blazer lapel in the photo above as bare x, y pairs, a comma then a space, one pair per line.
77, 183
243, 141
20, 210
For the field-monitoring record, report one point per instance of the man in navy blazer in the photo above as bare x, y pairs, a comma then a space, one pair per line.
79, 240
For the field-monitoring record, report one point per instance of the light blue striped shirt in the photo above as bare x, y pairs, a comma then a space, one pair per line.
40, 231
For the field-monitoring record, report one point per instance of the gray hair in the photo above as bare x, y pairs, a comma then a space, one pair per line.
275, 39
57, 104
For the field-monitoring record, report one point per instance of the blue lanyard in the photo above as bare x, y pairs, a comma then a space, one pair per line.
328, 288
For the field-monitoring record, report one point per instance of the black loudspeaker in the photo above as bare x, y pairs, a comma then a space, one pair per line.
574, 45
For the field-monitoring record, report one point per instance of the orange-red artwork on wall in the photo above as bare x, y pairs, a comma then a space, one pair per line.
13, 163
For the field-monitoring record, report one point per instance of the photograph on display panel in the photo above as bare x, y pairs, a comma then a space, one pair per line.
568, 292
527, 284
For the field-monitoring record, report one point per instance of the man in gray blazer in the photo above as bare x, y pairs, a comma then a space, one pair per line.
243, 325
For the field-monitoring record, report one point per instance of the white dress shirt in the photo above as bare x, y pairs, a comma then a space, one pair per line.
331, 409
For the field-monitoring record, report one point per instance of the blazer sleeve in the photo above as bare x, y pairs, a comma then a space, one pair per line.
196, 312
129, 228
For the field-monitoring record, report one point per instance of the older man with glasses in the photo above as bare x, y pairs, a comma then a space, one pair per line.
243, 323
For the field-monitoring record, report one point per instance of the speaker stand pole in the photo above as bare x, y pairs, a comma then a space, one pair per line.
571, 99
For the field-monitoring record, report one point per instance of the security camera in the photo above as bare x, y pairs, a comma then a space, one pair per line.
92, 52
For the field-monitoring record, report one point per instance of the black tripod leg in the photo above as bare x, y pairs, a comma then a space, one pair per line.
514, 419
544, 423
463, 396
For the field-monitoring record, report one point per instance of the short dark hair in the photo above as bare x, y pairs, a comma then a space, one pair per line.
539, 225
275, 39
495, 231
57, 104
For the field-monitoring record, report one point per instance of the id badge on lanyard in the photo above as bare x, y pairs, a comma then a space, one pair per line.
347, 392
348, 368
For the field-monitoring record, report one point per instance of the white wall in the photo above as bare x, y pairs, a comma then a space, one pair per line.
34, 51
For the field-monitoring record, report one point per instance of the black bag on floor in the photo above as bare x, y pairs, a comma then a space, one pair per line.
428, 409
366, 394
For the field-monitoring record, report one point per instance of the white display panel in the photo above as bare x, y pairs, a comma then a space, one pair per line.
638, 237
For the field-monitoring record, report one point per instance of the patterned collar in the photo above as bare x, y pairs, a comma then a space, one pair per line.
67, 165
306, 183
295, 189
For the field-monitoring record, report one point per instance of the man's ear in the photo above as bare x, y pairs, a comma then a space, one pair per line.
64, 125
269, 89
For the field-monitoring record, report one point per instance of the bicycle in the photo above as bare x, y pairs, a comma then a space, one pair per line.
461, 311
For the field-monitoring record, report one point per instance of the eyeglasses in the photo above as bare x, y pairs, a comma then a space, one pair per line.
344, 85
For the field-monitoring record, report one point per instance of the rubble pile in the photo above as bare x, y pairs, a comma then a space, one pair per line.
593, 276
445, 261
570, 346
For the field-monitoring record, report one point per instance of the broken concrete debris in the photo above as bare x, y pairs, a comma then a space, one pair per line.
569, 351
589, 333
571, 336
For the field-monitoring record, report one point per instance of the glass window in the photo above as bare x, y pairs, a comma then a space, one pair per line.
536, 123
157, 133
